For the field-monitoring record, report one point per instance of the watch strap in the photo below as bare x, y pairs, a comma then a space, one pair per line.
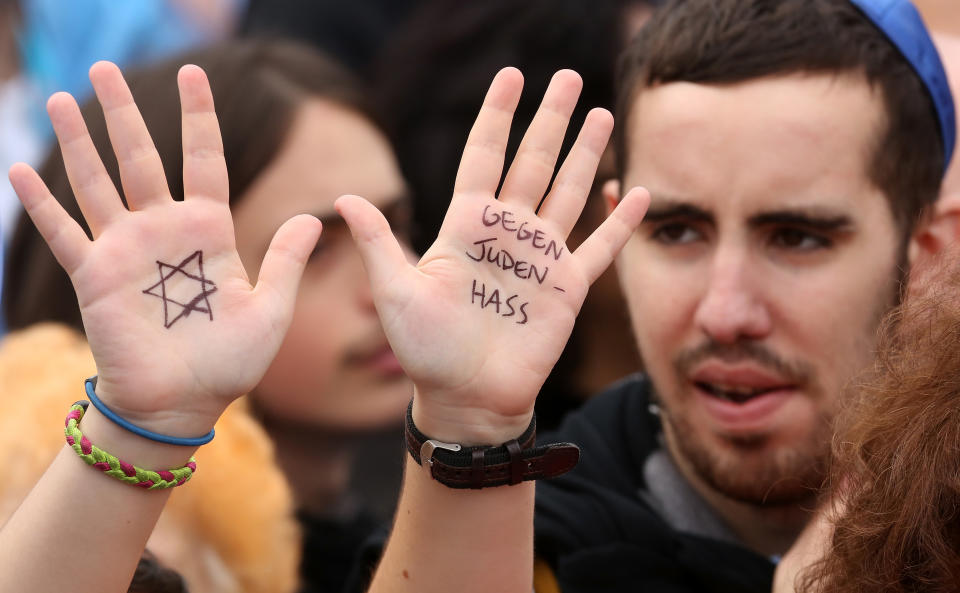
515, 461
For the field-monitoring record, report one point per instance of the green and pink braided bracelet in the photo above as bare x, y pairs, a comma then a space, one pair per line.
117, 468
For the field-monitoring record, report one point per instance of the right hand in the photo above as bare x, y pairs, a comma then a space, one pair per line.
172, 354
478, 337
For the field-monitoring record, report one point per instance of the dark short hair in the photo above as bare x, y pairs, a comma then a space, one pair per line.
731, 41
258, 87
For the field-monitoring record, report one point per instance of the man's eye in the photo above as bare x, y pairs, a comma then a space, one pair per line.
675, 233
799, 240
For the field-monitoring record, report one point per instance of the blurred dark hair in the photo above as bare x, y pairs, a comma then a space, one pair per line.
729, 41
353, 32
434, 74
258, 86
153, 577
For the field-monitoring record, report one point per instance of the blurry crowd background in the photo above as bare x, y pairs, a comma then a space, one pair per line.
425, 65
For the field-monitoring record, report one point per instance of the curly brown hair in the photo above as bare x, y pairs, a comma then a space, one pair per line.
896, 469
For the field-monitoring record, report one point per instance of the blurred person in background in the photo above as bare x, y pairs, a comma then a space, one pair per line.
941, 15
297, 133
352, 32
19, 140
201, 543
47, 45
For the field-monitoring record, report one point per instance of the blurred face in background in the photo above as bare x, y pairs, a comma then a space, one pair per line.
335, 368
757, 279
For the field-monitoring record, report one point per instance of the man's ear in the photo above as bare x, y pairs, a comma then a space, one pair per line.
940, 229
611, 194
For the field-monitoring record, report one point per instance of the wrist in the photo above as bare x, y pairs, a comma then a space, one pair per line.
176, 427
466, 425
130, 447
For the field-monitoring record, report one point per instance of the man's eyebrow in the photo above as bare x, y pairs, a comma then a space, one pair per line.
823, 221
669, 208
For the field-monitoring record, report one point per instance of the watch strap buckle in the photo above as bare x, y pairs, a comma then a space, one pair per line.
431, 445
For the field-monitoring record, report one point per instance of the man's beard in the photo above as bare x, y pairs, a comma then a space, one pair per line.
749, 468
752, 472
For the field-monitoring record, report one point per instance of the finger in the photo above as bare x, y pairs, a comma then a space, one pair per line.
381, 253
532, 168
94, 190
66, 239
204, 168
482, 162
141, 172
572, 186
602, 246
285, 259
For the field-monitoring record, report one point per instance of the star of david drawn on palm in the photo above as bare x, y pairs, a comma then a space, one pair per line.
199, 302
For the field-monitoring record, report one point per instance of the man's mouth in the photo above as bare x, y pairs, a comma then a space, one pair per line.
733, 393
743, 398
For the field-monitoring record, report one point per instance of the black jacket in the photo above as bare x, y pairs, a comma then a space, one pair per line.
597, 532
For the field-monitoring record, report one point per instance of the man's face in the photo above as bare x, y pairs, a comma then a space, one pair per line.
756, 281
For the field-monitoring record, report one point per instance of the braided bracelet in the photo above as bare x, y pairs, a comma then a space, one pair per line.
115, 467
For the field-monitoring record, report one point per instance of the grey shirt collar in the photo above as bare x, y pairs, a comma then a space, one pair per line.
675, 500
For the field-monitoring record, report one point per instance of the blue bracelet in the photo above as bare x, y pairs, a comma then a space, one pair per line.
147, 434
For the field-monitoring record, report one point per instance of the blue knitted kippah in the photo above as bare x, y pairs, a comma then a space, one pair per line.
902, 24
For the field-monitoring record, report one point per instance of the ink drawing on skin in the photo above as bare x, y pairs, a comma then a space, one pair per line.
503, 259
536, 237
479, 296
487, 250
182, 279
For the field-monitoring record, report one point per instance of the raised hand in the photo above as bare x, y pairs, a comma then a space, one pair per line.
175, 327
480, 321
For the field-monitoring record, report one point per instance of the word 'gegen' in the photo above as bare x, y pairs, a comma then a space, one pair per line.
537, 238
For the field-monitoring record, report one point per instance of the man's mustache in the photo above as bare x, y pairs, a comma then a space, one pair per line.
741, 351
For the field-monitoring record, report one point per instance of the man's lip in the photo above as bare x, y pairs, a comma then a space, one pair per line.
744, 375
756, 415
752, 415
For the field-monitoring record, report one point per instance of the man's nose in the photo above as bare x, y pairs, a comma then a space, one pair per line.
733, 306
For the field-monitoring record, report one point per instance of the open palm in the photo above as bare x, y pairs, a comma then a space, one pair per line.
480, 321
175, 327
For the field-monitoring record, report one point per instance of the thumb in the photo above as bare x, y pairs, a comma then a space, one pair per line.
285, 259
381, 253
